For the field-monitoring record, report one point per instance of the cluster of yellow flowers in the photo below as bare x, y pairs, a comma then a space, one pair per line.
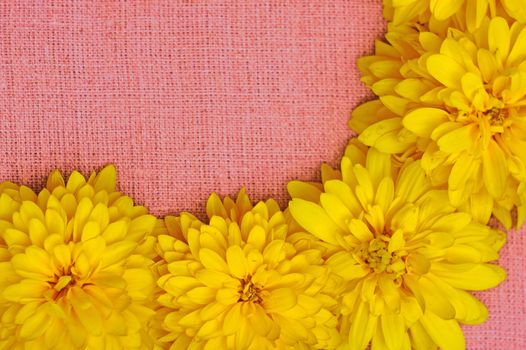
383, 252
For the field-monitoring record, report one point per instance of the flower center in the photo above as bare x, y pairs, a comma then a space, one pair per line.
495, 119
249, 291
496, 116
61, 285
377, 257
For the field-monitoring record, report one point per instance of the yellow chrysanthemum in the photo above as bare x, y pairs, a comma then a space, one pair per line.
402, 258
238, 283
460, 102
462, 14
74, 262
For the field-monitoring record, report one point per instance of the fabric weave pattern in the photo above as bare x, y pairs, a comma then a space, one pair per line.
192, 96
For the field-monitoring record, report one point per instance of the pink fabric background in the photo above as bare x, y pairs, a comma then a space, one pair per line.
191, 96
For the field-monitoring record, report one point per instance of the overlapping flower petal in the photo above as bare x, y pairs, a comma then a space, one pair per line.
458, 102
403, 259
238, 281
75, 265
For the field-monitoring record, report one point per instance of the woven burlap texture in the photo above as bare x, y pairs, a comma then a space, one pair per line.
189, 97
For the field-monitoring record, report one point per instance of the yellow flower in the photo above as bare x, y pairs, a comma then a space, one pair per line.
460, 102
74, 262
238, 283
402, 258
462, 14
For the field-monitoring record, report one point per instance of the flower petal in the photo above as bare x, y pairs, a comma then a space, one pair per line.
315, 220
494, 170
423, 121
445, 333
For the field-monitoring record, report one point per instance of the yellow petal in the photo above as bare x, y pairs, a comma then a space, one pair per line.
54, 334
430, 41
214, 206
460, 253
261, 323
202, 295
410, 309
362, 327
375, 131
335, 209
471, 84
460, 139
412, 182
468, 309
499, 37
257, 237
34, 264
117, 252
212, 278
227, 296
446, 70
452, 222
385, 194
89, 318
304, 190
274, 252
344, 265
55, 222
435, 300
516, 9
79, 299
423, 121
25, 291
461, 179
442, 10
139, 227
212, 310
191, 319
139, 283
393, 327
15, 237
406, 218
469, 276
106, 179
420, 339
93, 249
481, 207
364, 190
280, 300
487, 64
75, 181
396, 242
30, 210
518, 52
54, 180
345, 194
115, 231
212, 260
446, 334
90, 230
315, 220
411, 89
475, 13
379, 165
494, 170
360, 230
244, 336
34, 326
364, 115
233, 320
396, 104
237, 262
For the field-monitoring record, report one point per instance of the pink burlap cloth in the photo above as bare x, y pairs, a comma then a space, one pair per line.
188, 97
